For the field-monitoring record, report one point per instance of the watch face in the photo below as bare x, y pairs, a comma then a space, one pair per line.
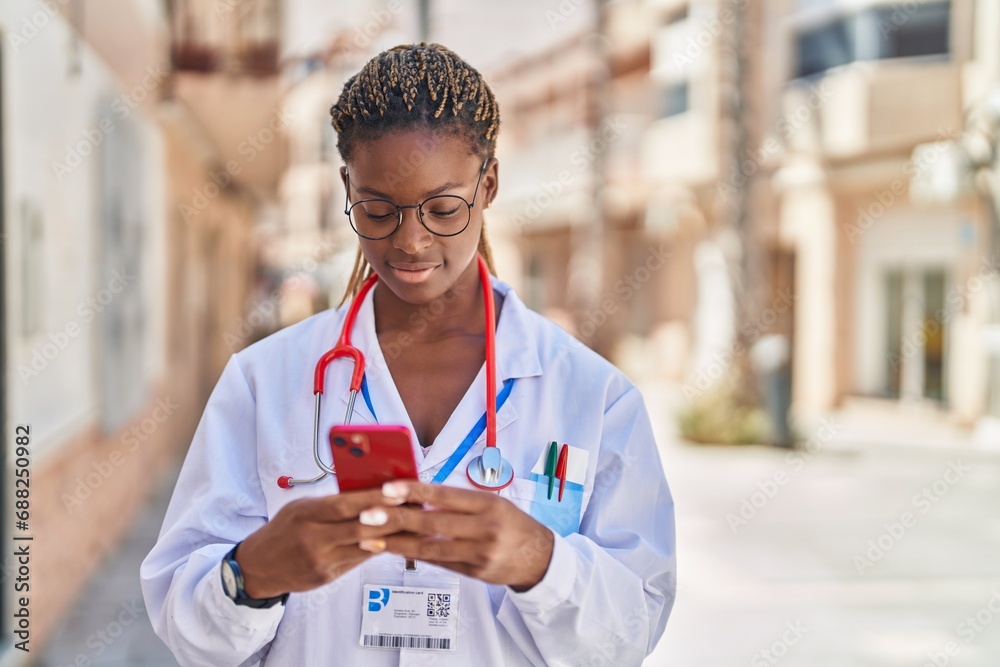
228, 580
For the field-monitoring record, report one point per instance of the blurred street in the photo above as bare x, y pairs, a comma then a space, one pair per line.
783, 588
792, 565
108, 624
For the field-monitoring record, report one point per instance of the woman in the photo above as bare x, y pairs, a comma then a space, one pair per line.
523, 576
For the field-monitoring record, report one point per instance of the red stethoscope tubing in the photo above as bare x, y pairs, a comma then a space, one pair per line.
344, 348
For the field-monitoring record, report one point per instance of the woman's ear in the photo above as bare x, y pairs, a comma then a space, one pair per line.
492, 180
343, 174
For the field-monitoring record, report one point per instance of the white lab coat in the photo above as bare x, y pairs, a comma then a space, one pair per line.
609, 588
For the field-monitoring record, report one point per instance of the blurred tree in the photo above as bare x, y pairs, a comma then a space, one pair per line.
740, 233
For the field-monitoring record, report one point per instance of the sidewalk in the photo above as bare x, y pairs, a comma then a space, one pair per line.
804, 561
108, 625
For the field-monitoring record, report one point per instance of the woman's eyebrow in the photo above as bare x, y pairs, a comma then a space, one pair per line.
431, 193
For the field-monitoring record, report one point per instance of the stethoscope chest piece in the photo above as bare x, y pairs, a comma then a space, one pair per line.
490, 471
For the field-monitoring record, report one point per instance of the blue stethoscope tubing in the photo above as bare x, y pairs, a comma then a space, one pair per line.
488, 471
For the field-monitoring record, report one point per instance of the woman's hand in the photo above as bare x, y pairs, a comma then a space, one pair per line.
475, 533
308, 543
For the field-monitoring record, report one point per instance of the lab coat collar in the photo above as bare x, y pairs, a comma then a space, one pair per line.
517, 357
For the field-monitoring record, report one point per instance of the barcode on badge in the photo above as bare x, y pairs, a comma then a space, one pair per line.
399, 641
438, 605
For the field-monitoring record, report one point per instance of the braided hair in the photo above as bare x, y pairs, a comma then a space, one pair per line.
415, 86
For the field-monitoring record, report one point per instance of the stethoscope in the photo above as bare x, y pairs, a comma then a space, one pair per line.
488, 471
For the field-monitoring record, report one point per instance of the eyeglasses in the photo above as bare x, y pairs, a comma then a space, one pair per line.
441, 215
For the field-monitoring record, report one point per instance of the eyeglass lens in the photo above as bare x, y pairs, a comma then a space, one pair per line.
443, 214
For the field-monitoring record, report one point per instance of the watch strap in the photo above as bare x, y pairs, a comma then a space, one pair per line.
229, 560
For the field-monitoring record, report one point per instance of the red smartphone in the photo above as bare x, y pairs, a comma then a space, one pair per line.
366, 456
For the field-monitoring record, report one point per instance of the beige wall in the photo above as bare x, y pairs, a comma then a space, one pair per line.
87, 482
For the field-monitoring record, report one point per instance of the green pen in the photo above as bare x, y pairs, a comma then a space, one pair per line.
550, 466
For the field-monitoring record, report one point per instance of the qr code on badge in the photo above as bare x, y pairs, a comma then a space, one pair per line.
438, 605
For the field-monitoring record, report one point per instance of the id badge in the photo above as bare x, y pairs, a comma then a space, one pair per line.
410, 617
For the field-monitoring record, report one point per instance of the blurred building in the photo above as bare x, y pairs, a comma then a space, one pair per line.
309, 243
127, 257
891, 281
814, 161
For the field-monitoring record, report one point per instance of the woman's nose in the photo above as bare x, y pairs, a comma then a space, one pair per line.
412, 236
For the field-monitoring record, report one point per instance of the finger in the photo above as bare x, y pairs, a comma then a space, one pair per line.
343, 506
431, 549
469, 501
352, 532
444, 523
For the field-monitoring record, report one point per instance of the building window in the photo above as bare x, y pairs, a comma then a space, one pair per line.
922, 32
822, 48
676, 16
917, 333
672, 68
674, 99
895, 31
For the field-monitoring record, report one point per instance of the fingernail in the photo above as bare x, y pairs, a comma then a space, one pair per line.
373, 517
394, 490
374, 546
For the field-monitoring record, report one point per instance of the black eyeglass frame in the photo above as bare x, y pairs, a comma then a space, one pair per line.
348, 207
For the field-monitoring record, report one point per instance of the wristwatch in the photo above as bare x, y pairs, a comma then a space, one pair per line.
232, 584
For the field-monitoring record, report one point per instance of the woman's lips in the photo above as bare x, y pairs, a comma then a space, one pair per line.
413, 273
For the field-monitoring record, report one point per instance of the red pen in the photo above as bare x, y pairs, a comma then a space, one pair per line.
561, 469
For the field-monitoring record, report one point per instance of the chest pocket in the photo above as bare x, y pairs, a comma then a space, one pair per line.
531, 496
